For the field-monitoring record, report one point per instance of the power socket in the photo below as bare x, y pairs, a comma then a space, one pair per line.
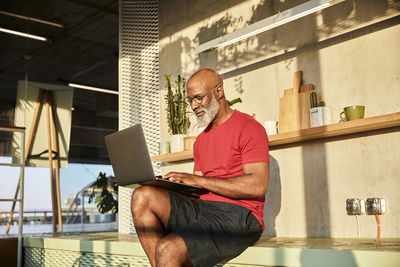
355, 206
376, 206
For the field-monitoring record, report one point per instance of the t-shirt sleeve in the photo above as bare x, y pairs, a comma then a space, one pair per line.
253, 143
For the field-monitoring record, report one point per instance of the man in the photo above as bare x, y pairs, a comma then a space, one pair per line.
231, 164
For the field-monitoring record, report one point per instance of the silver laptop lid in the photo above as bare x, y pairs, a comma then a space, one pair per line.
129, 156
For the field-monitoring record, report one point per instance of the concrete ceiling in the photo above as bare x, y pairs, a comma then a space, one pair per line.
83, 51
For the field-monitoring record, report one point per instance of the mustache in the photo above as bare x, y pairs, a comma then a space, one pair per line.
197, 110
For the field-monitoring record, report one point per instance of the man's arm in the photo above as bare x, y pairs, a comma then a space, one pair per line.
252, 184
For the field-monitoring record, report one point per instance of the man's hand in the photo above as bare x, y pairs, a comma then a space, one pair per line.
253, 183
182, 177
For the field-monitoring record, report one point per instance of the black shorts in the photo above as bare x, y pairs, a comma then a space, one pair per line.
212, 231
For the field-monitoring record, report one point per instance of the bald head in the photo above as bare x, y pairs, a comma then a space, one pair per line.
205, 91
204, 78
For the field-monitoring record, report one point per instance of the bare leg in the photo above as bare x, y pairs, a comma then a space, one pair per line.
150, 212
171, 251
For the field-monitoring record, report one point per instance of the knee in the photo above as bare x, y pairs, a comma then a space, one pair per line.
140, 198
164, 250
171, 251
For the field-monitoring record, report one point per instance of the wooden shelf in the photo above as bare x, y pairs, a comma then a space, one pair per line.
331, 130
172, 157
337, 129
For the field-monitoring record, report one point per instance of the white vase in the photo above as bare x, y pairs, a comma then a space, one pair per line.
177, 143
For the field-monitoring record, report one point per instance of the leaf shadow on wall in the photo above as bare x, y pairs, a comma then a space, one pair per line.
265, 48
220, 27
171, 53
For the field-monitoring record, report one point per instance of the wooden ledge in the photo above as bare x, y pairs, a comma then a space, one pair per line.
326, 131
177, 156
337, 129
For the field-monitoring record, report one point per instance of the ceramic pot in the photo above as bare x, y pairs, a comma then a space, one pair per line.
177, 143
320, 116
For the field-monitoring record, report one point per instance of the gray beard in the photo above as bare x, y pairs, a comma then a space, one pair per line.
210, 112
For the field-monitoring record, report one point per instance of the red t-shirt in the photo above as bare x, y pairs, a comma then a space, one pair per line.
221, 151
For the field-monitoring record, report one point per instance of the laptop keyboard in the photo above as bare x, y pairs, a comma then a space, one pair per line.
159, 177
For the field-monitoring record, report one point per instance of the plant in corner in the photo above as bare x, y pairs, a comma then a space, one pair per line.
176, 106
177, 115
105, 201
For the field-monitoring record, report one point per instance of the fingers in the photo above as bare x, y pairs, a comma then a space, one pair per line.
169, 175
181, 177
175, 176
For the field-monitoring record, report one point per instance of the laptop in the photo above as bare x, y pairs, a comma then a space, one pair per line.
132, 165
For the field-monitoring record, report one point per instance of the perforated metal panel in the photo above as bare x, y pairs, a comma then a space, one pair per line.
39, 257
55, 257
125, 222
33, 257
106, 260
139, 98
46, 257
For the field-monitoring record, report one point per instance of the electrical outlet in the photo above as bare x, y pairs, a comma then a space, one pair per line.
355, 206
375, 206
383, 206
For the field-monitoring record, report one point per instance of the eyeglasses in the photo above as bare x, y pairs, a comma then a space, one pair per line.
199, 98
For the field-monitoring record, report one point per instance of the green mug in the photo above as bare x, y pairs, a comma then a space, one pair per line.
352, 113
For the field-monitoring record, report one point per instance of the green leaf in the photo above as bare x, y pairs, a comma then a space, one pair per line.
234, 101
98, 199
105, 201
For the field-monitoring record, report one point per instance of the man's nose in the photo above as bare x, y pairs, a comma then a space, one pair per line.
194, 105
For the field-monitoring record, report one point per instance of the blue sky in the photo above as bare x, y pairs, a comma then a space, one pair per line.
37, 183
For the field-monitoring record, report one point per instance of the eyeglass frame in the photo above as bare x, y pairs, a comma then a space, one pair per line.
198, 99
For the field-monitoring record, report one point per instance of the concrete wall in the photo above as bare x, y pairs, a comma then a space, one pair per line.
350, 52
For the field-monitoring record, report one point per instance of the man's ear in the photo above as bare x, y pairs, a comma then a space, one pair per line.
220, 92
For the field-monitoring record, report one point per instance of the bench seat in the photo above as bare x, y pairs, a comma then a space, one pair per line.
114, 249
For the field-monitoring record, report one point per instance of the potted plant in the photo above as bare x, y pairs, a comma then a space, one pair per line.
319, 114
177, 115
105, 201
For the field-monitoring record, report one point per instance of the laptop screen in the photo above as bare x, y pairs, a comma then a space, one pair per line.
129, 156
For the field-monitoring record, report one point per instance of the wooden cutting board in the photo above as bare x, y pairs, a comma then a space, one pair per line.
294, 112
294, 106
287, 114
